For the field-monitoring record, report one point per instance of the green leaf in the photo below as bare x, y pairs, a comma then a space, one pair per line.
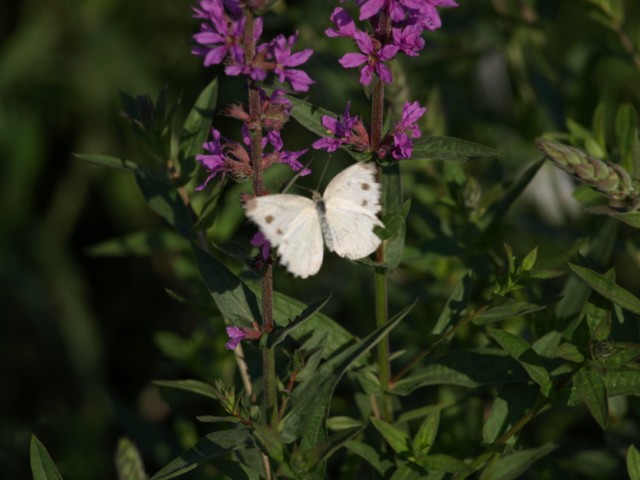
118, 163
207, 449
167, 203
312, 398
626, 126
608, 288
303, 463
426, 435
593, 392
236, 302
194, 386
374, 458
270, 442
575, 293
396, 438
633, 463
129, 462
444, 463
513, 466
42, 466
496, 212
393, 204
456, 305
504, 311
526, 356
141, 243
196, 129
450, 149
511, 404
615, 354
570, 352
618, 381
630, 218
305, 315
285, 309
469, 368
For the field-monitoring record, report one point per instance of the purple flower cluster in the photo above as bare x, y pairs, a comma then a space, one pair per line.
221, 40
408, 19
349, 130
226, 156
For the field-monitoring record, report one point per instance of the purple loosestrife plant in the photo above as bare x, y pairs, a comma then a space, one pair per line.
289, 356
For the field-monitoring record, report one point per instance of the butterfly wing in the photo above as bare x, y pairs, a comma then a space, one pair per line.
290, 223
351, 202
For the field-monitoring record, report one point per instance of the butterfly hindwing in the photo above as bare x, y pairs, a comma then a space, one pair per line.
352, 200
290, 223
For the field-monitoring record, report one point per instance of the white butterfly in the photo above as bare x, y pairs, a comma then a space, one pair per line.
345, 216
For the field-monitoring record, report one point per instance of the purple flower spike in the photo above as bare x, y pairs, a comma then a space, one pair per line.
235, 334
281, 51
372, 57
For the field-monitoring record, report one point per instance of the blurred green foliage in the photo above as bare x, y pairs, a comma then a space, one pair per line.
83, 336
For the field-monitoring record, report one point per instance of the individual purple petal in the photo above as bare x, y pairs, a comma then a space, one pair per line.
371, 8
345, 26
235, 334
350, 60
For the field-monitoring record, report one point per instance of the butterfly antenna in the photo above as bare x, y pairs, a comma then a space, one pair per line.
324, 172
290, 183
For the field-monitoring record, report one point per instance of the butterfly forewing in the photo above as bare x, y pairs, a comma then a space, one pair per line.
290, 223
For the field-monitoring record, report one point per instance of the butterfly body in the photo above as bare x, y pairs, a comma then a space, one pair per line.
343, 219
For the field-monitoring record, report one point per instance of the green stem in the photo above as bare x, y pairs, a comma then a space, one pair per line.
380, 275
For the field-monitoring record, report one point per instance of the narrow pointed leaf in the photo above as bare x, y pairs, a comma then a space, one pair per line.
396, 438
303, 463
209, 448
312, 398
167, 203
633, 463
426, 435
466, 369
450, 149
196, 128
608, 288
444, 463
496, 212
526, 356
456, 305
593, 392
513, 466
305, 315
236, 302
42, 466
141, 243
374, 458
129, 463
193, 386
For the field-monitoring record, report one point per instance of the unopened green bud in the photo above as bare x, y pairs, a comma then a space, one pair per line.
610, 179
